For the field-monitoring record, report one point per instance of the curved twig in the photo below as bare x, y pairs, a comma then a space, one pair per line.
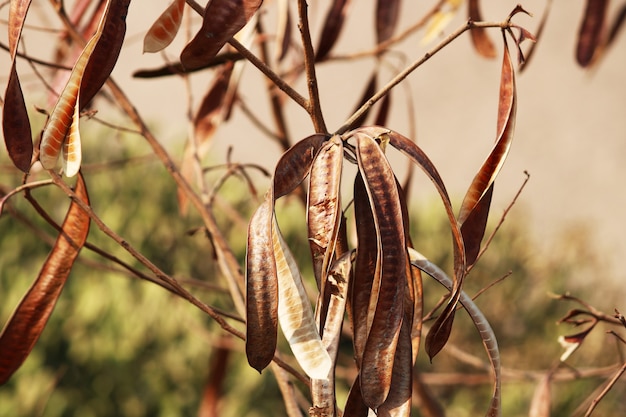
27, 186
407, 71
480, 321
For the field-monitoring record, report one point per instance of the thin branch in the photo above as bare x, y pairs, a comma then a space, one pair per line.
27, 186
36, 60
384, 46
196, 7
406, 72
125, 268
620, 317
313, 106
604, 391
162, 276
592, 311
258, 123
269, 73
492, 284
275, 99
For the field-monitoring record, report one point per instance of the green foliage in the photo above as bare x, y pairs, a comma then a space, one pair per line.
116, 345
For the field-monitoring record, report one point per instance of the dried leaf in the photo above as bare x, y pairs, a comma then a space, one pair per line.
294, 165
480, 38
590, 32
324, 206
63, 120
540, 404
475, 207
323, 391
106, 51
337, 283
366, 269
23, 329
418, 311
380, 348
72, 152
15, 122
222, 20
261, 273
573, 341
387, 12
439, 333
261, 289
17, 14
87, 76
398, 402
332, 28
474, 226
164, 29
295, 314
355, 407
214, 106
414, 295
415, 153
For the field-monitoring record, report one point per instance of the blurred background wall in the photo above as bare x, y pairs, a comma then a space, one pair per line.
571, 126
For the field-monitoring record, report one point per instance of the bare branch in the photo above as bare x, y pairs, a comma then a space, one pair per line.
313, 106
406, 72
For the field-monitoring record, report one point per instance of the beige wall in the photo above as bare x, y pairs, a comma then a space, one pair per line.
571, 127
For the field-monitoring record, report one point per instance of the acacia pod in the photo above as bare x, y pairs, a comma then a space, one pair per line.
165, 28
333, 24
295, 314
398, 402
15, 122
261, 276
323, 391
21, 332
106, 51
590, 32
366, 269
480, 38
261, 289
324, 206
380, 348
475, 207
64, 117
222, 20
387, 13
